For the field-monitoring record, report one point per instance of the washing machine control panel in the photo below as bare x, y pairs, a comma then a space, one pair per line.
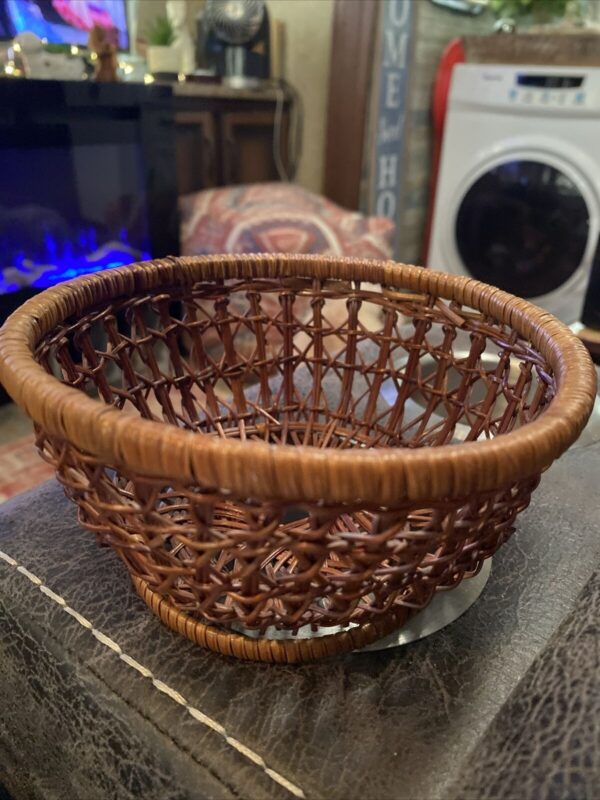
567, 89
546, 97
555, 90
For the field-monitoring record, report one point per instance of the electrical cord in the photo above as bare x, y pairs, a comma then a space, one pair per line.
285, 90
277, 124
295, 142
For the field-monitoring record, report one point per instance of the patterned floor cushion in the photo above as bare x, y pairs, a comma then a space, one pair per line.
278, 218
274, 218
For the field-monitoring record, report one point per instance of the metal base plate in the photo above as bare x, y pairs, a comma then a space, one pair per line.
443, 609
446, 607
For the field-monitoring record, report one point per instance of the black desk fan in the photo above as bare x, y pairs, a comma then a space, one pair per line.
237, 41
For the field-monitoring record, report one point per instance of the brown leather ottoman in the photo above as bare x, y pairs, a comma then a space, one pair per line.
99, 700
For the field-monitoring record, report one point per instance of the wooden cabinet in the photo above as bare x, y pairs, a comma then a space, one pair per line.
249, 141
224, 137
196, 150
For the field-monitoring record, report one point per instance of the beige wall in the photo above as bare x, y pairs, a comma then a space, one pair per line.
148, 9
308, 49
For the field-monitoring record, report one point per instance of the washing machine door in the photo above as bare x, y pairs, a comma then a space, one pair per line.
523, 225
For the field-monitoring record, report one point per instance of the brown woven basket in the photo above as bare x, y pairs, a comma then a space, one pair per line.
272, 445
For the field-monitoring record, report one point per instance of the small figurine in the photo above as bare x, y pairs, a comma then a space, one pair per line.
99, 42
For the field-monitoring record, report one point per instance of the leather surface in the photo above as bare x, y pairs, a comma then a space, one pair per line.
78, 722
545, 742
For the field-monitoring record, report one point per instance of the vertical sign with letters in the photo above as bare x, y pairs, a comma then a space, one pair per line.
396, 27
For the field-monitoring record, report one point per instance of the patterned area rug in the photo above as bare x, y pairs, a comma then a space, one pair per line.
21, 467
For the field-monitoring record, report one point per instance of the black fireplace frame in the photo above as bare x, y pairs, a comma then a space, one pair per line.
38, 112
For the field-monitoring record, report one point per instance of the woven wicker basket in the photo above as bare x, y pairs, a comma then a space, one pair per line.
272, 445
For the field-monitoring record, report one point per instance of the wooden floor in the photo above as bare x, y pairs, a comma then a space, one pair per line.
21, 468
13, 424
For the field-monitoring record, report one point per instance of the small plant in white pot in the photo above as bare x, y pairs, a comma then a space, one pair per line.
162, 54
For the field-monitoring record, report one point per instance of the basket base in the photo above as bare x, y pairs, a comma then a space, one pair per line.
393, 630
445, 608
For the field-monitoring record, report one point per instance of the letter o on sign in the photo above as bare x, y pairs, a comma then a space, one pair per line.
386, 205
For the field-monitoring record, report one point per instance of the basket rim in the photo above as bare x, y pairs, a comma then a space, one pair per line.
376, 477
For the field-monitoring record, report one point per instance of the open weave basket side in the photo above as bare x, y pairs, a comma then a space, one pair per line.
282, 504
247, 469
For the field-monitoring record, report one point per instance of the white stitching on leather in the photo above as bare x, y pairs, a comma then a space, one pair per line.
158, 684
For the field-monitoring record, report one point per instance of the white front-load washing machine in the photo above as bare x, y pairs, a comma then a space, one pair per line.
518, 196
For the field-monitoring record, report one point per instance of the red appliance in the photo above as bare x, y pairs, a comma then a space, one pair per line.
452, 55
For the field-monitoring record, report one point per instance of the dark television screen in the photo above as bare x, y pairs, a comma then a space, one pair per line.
64, 21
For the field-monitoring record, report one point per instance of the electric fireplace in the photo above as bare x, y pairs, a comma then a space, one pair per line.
87, 181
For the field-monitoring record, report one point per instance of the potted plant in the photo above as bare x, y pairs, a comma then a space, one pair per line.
536, 12
162, 54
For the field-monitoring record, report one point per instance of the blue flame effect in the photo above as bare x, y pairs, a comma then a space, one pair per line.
62, 261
